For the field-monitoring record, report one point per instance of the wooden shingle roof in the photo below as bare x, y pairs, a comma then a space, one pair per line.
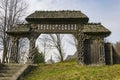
19, 29
95, 28
57, 15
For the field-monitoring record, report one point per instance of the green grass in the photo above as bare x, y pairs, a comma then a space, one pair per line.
72, 71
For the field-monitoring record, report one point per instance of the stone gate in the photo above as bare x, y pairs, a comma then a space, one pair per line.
90, 36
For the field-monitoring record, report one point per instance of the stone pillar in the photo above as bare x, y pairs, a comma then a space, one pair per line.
80, 48
14, 50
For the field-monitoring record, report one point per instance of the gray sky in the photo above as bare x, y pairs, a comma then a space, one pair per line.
105, 11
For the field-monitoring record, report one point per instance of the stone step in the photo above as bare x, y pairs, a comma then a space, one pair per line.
5, 75
9, 68
13, 71
11, 65
8, 71
1, 65
5, 78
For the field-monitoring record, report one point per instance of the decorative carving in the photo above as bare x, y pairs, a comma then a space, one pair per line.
32, 39
97, 50
31, 50
74, 22
102, 51
63, 28
80, 48
14, 57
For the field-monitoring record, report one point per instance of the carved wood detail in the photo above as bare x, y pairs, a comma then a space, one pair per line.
32, 39
80, 47
14, 57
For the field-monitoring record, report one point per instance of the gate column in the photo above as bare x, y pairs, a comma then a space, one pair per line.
102, 51
31, 50
80, 47
31, 54
14, 50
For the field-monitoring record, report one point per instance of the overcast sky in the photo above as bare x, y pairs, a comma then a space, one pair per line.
105, 11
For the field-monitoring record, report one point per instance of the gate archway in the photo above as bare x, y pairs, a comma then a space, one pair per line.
62, 22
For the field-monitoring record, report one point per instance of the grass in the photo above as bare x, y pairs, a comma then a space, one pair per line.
72, 71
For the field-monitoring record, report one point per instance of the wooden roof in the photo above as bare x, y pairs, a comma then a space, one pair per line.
95, 27
19, 29
57, 15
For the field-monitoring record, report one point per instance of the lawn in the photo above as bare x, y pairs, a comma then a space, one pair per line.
71, 71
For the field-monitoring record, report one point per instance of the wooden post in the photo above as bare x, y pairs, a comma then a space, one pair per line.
14, 50
108, 53
102, 51
32, 37
80, 47
31, 50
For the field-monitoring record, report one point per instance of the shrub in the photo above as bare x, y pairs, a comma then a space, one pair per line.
39, 57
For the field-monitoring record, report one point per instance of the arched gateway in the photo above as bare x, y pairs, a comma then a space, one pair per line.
90, 36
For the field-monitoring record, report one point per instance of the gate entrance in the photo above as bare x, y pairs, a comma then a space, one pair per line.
90, 36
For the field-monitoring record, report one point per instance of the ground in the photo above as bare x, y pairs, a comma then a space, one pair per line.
69, 70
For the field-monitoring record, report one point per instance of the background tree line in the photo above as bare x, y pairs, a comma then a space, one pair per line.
11, 13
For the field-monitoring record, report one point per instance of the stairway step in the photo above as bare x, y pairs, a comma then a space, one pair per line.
9, 68
1, 65
8, 71
15, 65
11, 65
5, 78
13, 71
5, 75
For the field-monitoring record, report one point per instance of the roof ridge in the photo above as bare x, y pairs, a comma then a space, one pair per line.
58, 11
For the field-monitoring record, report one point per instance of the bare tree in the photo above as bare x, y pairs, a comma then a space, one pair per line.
53, 41
10, 13
45, 43
56, 40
